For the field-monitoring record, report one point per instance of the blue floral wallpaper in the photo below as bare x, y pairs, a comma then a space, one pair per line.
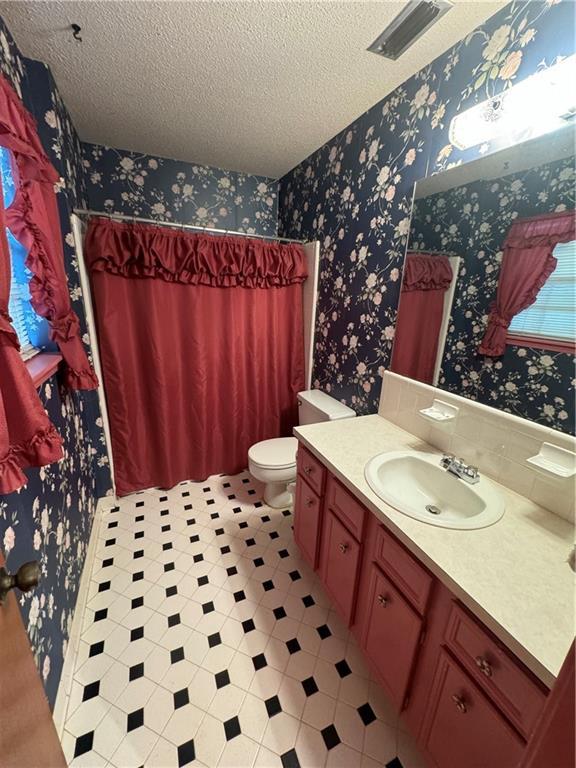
125, 182
50, 520
472, 221
354, 193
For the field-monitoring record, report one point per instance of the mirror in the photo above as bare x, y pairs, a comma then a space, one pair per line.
488, 295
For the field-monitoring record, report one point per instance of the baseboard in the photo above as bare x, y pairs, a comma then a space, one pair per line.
66, 678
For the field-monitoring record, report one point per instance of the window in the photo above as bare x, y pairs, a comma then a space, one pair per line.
552, 317
31, 329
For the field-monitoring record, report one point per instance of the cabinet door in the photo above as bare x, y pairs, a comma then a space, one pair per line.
340, 559
391, 636
462, 728
307, 515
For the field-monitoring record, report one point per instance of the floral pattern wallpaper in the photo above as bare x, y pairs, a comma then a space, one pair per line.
51, 518
472, 221
119, 181
354, 194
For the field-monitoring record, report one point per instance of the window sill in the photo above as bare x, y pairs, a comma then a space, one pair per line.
552, 345
42, 366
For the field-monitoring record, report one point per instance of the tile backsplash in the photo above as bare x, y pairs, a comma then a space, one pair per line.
498, 443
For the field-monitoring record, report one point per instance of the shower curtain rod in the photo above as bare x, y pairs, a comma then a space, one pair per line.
211, 230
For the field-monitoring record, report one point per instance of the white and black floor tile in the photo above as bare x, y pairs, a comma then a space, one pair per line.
208, 641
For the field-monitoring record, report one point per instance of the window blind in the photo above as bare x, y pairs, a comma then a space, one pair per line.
553, 314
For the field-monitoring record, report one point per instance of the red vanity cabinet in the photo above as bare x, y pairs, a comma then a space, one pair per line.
512, 688
307, 521
308, 504
392, 631
339, 564
311, 470
391, 616
468, 701
463, 728
341, 547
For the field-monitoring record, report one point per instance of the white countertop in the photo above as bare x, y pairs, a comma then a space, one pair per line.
513, 575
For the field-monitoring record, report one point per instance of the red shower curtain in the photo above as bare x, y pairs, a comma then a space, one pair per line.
201, 340
426, 279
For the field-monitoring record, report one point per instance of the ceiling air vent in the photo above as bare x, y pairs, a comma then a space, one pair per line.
408, 26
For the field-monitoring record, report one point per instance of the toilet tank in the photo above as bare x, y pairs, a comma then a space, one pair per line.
315, 406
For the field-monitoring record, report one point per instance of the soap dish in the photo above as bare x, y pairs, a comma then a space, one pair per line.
439, 412
555, 461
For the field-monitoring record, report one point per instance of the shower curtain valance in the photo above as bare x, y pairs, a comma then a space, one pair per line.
147, 251
34, 221
426, 272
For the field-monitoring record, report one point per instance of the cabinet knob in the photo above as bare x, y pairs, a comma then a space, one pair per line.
460, 704
309, 502
383, 601
484, 666
25, 579
343, 547
307, 470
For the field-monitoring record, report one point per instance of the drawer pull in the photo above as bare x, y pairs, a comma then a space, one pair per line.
460, 704
484, 666
307, 470
343, 547
309, 502
383, 601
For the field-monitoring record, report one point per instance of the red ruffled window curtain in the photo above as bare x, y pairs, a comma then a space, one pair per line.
27, 437
201, 342
426, 278
527, 263
34, 220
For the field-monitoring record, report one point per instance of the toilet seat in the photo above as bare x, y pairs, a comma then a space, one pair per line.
277, 453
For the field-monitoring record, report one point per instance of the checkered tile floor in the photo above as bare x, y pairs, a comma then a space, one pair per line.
207, 640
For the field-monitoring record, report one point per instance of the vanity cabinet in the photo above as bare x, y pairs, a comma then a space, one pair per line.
307, 520
392, 631
520, 697
462, 727
341, 547
466, 698
308, 504
339, 564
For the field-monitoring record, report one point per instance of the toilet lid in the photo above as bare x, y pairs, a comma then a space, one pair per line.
278, 453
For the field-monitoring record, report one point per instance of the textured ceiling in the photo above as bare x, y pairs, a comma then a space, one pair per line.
250, 86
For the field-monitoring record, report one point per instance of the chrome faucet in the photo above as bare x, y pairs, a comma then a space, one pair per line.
459, 468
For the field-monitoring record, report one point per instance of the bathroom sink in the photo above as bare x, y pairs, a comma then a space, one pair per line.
416, 485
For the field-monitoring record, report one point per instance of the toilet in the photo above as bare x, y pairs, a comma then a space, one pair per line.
273, 462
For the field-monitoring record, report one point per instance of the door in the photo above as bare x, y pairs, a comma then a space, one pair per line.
391, 636
340, 558
462, 728
307, 521
28, 738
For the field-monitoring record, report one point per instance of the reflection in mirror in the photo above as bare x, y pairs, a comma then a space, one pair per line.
487, 307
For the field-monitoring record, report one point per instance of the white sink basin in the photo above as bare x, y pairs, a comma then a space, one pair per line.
416, 485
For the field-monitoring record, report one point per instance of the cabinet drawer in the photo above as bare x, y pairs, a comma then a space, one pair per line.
461, 727
346, 507
307, 519
311, 469
410, 577
391, 636
516, 692
340, 560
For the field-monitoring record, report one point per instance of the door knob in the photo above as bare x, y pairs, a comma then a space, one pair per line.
25, 578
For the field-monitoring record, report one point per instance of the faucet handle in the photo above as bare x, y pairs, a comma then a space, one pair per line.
447, 459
